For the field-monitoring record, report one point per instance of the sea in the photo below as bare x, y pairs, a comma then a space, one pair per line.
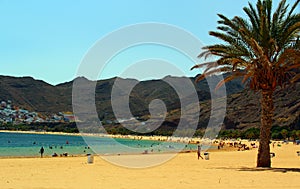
29, 144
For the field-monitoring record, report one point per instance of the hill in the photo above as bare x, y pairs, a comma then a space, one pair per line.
243, 107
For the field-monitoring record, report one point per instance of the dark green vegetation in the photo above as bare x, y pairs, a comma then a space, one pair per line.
48, 127
263, 49
278, 133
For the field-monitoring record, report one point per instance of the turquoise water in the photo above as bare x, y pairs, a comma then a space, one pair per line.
23, 144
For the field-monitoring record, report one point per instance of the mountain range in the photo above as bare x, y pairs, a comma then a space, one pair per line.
242, 111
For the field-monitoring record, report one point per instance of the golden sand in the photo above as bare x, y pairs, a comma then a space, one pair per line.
224, 169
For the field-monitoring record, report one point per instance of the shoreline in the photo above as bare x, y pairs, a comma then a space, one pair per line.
40, 132
118, 154
223, 170
95, 155
210, 144
194, 140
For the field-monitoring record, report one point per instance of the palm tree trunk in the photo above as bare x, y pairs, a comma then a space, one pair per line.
263, 158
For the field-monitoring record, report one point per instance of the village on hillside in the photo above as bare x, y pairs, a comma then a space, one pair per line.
11, 114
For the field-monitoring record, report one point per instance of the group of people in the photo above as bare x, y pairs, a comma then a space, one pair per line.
42, 150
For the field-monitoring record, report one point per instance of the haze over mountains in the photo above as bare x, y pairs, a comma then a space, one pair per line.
243, 108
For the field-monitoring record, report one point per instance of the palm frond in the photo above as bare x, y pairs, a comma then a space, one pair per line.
235, 75
265, 46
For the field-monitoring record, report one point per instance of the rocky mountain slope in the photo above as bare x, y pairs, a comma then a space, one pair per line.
243, 108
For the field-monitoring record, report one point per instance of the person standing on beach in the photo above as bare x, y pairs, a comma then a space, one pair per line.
42, 151
199, 151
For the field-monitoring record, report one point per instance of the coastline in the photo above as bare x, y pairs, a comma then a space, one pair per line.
234, 169
193, 140
40, 132
226, 168
210, 146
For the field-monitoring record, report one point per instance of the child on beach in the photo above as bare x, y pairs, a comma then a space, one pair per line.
199, 152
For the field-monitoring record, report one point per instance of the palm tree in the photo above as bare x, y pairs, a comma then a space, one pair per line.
264, 50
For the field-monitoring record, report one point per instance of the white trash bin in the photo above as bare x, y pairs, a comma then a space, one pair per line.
206, 156
90, 158
272, 154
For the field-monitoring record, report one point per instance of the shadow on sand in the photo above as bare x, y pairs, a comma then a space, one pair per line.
273, 169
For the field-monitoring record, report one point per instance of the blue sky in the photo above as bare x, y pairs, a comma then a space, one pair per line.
48, 39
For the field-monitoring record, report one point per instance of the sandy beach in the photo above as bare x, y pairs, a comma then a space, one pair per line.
224, 169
